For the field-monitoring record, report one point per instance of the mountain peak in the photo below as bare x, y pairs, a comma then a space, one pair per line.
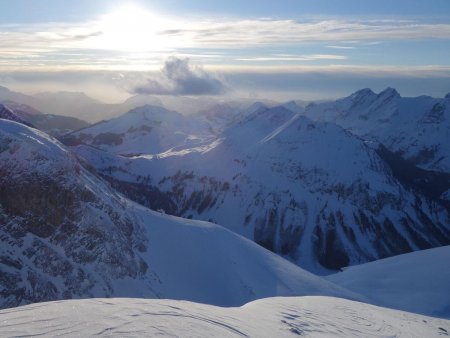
294, 106
147, 107
361, 97
389, 92
152, 110
447, 96
255, 106
363, 92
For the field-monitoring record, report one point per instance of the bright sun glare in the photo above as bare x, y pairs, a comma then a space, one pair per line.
131, 28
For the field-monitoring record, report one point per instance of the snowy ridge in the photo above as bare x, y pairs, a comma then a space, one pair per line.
418, 128
271, 317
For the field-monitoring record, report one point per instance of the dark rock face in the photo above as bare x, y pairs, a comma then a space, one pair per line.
436, 114
108, 138
279, 221
144, 194
60, 237
429, 183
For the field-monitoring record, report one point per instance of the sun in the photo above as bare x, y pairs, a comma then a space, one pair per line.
131, 28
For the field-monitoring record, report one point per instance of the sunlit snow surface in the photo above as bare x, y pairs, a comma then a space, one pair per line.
270, 317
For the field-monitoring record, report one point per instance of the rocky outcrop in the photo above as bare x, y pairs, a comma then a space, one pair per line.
60, 237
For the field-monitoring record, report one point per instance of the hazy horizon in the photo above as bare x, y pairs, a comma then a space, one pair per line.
111, 50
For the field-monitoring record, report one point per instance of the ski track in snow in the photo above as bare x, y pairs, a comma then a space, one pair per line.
270, 317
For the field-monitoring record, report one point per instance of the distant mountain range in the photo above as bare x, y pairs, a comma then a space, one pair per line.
416, 128
312, 191
83, 107
55, 125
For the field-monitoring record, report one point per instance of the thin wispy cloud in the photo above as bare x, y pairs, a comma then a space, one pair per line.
233, 34
137, 42
170, 35
341, 47
434, 71
311, 57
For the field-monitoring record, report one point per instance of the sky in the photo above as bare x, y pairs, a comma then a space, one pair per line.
290, 49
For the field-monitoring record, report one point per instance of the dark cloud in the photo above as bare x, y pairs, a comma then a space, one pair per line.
179, 77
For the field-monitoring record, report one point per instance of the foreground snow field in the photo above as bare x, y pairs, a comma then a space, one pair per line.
270, 317
416, 282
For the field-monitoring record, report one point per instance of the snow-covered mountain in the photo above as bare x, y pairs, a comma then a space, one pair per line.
309, 191
187, 105
296, 106
65, 233
143, 130
81, 106
221, 116
271, 317
417, 128
416, 282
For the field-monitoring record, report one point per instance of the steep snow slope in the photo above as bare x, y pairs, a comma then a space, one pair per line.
417, 281
309, 191
66, 234
147, 129
418, 128
271, 317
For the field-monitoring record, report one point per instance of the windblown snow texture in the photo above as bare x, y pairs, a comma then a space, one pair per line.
270, 317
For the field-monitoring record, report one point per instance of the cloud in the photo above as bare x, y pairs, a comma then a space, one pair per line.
233, 34
179, 77
308, 57
341, 47
97, 44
